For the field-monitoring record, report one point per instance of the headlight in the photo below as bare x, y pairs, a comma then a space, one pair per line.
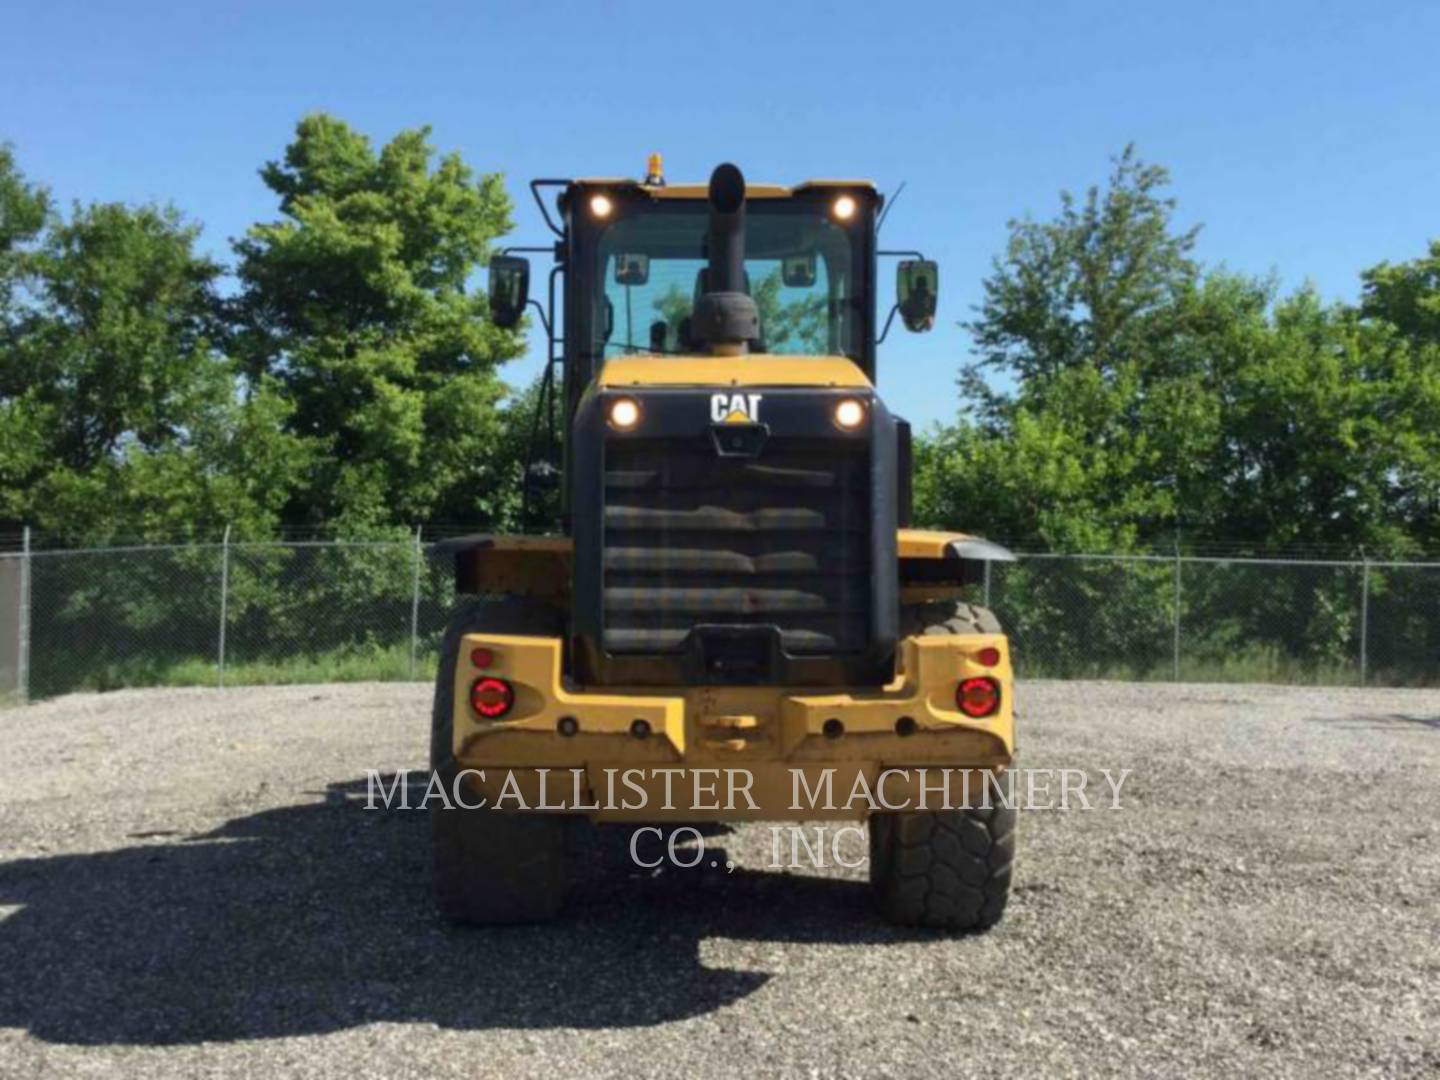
624, 413
849, 414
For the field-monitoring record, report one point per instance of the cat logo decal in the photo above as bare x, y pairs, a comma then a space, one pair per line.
735, 408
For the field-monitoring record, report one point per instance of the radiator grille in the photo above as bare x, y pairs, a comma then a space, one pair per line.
779, 539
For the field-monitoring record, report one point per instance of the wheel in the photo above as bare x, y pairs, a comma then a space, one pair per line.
490, 866
947, 869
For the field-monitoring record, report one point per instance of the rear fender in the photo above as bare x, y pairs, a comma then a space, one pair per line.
538, 566
935, 564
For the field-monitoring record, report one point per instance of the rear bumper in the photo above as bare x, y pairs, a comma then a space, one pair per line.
774, 735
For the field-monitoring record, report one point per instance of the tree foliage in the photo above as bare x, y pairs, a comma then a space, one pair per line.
117, 412
1123, 395
357, 303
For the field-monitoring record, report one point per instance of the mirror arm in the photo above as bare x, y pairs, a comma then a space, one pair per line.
555, 272
535, 186
547, 388
544, 317
545, 399
888, 320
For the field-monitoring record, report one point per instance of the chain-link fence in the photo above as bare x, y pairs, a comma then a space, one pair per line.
219, 614
232, 613
1221, 619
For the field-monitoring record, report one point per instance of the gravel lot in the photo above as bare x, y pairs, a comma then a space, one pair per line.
188, 886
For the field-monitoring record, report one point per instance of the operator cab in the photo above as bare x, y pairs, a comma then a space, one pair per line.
806, 265
637, 257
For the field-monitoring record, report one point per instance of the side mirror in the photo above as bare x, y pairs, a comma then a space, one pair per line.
917, 289
509, 289
798, 271
632, 269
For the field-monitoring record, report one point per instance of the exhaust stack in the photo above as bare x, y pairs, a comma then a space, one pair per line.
725, 316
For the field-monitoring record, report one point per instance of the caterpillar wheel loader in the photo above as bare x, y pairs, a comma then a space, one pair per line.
725, 583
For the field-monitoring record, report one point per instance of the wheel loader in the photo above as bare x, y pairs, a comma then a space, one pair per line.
717, 575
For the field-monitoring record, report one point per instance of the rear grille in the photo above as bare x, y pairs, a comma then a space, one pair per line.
780, 539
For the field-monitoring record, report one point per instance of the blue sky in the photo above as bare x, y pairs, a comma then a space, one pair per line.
1302, 135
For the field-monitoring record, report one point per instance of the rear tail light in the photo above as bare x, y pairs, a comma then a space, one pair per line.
491, 698
978, 697
989, 656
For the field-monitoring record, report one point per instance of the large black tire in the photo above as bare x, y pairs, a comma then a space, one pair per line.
491, 866
946, 869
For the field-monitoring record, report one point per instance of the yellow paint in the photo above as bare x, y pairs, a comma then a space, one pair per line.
765, 730
927, 543
532, 665
639, 371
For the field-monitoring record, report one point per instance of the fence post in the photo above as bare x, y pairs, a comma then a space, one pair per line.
415, 602
1176, 645
987, 583
22, 658
224, 602
1364, 619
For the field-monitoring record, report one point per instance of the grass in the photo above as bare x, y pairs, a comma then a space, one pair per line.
1254, 666
353, 664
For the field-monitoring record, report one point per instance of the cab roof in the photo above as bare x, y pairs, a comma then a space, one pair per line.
701, 191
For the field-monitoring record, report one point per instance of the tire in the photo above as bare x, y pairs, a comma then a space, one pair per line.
942, 617
491, 866
944, 869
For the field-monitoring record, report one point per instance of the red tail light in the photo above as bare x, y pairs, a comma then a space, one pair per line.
989, 656
491, 698
978, 697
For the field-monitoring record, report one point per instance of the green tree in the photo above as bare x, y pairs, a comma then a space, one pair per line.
1407, 296
1403, 301
1085, 289
1078, 319
357, 302
1141, 398
24, 210
118, 416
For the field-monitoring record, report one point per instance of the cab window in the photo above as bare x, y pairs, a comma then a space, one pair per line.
798, 269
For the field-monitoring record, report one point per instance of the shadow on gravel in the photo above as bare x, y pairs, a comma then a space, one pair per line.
1382, 721
317, 917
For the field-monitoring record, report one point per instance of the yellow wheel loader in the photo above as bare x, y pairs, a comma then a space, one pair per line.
727, 615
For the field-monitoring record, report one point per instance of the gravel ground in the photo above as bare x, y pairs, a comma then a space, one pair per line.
189, 886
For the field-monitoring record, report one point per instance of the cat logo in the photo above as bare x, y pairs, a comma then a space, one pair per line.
735, 408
